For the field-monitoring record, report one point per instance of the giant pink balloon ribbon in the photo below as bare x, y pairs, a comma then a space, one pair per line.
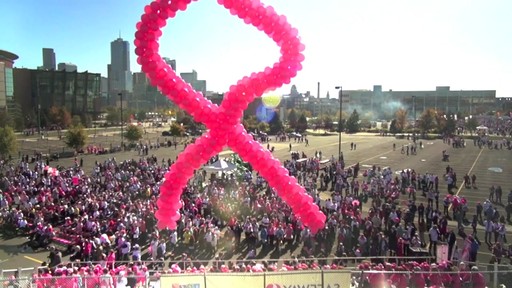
223, 122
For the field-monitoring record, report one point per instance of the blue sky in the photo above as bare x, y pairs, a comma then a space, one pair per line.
401, 45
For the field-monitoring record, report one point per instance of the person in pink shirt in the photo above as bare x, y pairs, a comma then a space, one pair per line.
477, 278
399, 279
417, 279
435, 277
456, 281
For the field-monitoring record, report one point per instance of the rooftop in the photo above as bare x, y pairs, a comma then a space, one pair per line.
8, 56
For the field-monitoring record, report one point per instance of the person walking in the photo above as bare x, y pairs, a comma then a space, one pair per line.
489, 229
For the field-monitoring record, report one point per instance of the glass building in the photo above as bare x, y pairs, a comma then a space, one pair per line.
78, 92
6, 78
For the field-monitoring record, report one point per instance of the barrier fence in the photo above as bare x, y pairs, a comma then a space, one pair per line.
494, 275
315, 279
349, 262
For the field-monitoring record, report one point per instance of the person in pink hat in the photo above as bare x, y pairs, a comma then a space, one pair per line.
399, 279
435, 278
417, 279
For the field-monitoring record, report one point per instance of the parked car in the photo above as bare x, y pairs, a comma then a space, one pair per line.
294, 135
166, 133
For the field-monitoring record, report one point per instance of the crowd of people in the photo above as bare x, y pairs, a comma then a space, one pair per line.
105, 217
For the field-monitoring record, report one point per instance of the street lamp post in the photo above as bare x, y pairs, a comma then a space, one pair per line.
122, 126
414, 112
39, 118
340, 93
38, 109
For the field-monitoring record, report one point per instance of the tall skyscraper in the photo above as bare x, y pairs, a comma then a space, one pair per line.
119, 74
49, 62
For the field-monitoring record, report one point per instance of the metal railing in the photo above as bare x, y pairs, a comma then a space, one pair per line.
493, 275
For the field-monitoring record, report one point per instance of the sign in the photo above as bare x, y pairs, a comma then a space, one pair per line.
302, 279
182, 281
235, 280
442, 252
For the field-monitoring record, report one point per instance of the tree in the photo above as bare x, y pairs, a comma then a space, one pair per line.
6, 119
76, 120
86, 120
59, 116
263, 127
141, 116
8, 142
328, 123
401, 119
251, 123
365, 124
275, 125
427, 120
471, 125
446, 124
344, 117
292, 119
451, 126
176, 129
353, 122
302, 123
393, 128
113, 116
305, 112
133, 133
189, 122
14, 118
76, 137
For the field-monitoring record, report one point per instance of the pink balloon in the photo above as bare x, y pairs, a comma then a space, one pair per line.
223, 121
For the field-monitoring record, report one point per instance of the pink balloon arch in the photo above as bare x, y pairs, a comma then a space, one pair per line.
223, 122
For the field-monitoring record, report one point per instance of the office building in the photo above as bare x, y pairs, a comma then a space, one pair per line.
191, 78
43, 89
68, 67
48, 59
145, 96
383, 104
377, 104
119, 74
170, 62
6, 78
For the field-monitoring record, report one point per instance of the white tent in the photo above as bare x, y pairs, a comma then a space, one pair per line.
220, 166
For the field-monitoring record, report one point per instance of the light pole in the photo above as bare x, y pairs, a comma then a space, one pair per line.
39, 118
414, 112
122, 120
38, 109
340, 93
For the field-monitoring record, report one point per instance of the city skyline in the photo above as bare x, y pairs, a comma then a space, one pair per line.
399, 45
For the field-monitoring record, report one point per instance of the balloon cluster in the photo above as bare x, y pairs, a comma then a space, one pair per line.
223, 122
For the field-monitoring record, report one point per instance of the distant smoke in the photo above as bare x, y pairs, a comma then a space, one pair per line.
389, 109
384, 111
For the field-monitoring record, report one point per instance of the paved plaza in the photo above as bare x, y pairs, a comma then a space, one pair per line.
490, 167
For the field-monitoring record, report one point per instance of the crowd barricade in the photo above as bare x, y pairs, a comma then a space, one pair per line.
72, 282
289, 279
348, 276
292, 279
